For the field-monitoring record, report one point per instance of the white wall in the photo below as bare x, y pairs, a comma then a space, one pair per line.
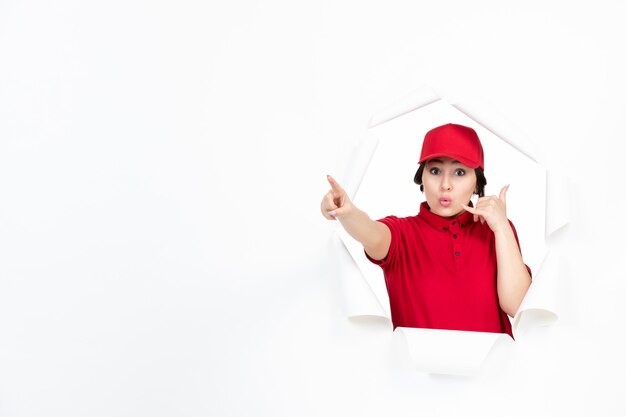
161, 166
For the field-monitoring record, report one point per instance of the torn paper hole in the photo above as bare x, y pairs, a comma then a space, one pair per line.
400, 130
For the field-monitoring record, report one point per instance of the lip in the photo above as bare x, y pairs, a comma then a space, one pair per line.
445, 201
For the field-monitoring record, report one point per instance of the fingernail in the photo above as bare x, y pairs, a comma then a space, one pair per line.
332, 213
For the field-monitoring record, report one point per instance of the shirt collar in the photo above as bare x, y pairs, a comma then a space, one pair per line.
443, 223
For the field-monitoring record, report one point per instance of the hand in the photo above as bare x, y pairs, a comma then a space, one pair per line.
336, 202
492, 210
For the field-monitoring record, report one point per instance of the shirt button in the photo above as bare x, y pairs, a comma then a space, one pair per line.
453, 223
454, 236
457, 253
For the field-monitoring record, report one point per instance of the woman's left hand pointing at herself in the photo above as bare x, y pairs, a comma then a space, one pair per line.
492, 210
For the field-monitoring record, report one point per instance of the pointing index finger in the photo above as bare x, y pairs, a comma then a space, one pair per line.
334, 185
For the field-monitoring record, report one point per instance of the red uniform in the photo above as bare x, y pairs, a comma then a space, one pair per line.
441, 273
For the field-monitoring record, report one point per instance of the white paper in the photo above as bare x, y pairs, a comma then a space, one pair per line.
539, 307
488, 118
414, 100
558, 204
371, 274
358, 298
450, 352
361, 157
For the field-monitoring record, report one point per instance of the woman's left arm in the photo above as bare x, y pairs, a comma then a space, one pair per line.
513, 277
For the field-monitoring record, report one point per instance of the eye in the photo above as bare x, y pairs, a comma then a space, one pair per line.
460, 172
434, 171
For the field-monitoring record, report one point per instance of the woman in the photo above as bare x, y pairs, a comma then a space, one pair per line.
452, 266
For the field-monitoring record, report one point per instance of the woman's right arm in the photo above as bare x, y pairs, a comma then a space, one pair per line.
374, 236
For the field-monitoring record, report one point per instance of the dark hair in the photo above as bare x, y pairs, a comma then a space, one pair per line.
481, 181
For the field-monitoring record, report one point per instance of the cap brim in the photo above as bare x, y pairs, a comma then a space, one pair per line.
460, 158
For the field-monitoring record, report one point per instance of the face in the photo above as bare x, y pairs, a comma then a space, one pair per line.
448, 184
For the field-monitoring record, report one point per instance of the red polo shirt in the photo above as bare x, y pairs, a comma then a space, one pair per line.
441, 273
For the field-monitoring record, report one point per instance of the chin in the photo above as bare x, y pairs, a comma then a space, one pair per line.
448, 212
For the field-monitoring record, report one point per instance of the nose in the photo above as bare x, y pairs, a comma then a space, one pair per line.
446, 185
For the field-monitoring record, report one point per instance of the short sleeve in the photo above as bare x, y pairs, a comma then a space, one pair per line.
520, 248
393, 223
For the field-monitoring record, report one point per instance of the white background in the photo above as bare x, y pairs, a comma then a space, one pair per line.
161, 166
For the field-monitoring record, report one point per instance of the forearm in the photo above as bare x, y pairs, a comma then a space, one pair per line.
513, 277
373, 235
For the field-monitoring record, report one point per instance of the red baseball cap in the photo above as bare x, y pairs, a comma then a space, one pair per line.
454, 141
